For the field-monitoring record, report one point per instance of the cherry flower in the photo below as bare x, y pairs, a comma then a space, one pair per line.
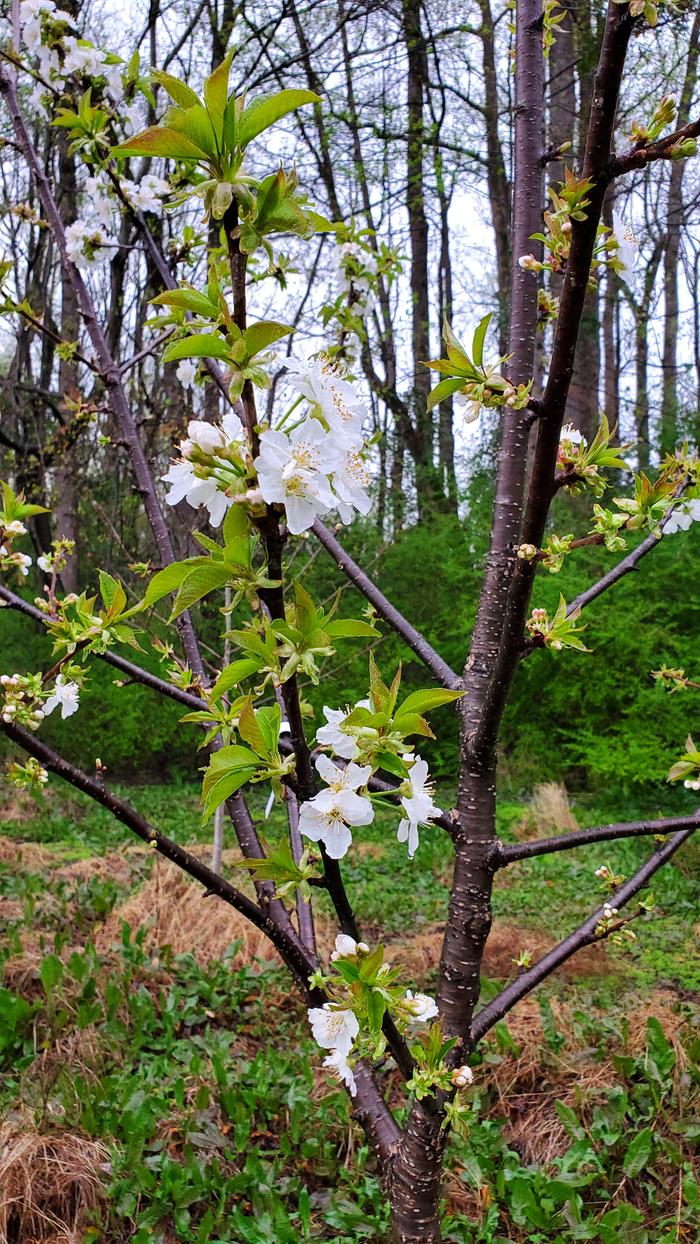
337, 1062
350, 479
328, 816
683, 517
146, 195
87, 244
420, 1006
332, 735
346, 946
186, 372
66, 695
417, 803
196, 481
627, 243
81, 57
293, 471
323, 384
333, 1028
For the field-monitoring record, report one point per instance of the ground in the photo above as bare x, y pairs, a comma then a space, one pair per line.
161, 1085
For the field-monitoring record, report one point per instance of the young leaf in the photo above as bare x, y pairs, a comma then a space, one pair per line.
479, 338
233, 674
187, 300
426, 701
199, 583
267, 109
216, 93
349, 628
263, 334
159, 140
201, 345
165, 581
180, 94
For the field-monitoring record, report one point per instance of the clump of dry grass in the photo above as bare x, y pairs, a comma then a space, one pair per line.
50, 1186
549, 812
175, 913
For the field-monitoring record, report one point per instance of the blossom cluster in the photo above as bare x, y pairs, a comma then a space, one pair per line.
335, 1026
24, 701
330, 816
316, 465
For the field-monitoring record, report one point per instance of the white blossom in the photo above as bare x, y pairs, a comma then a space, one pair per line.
22, 561
293, 471
81, 57
322, 383
185, 485
15, 528
44, 563
627, 243
683, 517
462, 1077
87, 244
328, 816
421, 1006
571, 436
65, 694
417, 803
333, 1028
350, 479
337, 1062
146, 195
186, 372
345, 946
332, 735
472, 408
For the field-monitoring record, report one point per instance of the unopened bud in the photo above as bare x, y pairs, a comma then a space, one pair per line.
462, 1077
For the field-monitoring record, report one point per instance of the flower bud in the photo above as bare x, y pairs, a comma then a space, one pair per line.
462, 1077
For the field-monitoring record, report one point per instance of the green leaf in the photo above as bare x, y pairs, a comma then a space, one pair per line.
199, 583
233, 674
263, 334
376, 1006
229, 769
50, 972
187, 300
109, 588
479, 338
638, 1153
269, 719
165, 581
235, 524
159, 141
267, 109
426, 701
249, 730
201, 345
349, 628
444, 389
216, 93
177, 90
196, 124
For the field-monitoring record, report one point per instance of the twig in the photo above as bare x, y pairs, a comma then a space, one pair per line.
508, 852
584, 935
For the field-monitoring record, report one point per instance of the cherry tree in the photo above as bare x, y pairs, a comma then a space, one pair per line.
265, 474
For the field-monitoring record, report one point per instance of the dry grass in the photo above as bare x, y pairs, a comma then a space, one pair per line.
420, 954
549, 813
50, 1186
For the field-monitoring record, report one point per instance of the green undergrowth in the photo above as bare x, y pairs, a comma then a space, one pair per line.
214, 1132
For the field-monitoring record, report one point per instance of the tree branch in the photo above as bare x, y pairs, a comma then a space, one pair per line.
643, 154
300, 963
415, 641
508, 852
584, 935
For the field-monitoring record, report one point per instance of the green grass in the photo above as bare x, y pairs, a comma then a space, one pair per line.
218, 1135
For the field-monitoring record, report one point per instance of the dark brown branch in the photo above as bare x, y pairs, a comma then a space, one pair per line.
643, 154
300, 963
508, 852
584, 935
415, 641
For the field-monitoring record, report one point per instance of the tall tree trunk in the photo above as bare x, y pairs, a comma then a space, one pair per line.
675, 213
497, 178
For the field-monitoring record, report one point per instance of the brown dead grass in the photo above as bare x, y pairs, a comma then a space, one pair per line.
421, 953
50, 1186
549, 812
